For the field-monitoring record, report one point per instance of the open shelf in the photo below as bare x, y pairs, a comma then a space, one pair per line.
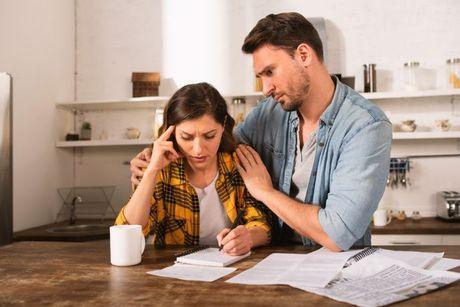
128, 103
426, 135
97, 143
160, 101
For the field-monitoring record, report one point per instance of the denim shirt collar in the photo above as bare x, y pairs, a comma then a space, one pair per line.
331, 111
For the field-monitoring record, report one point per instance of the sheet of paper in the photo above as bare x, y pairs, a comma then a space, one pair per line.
420, 260
193, 272
315, 269
445, 264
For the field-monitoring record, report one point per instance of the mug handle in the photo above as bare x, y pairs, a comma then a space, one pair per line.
389, 219
142, 243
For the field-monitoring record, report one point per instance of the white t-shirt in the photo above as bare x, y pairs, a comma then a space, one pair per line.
213, 217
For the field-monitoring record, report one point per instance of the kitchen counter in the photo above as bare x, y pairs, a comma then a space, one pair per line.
40, 233
70, 273
431, 226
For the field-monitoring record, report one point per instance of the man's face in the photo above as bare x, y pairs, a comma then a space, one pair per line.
283, 77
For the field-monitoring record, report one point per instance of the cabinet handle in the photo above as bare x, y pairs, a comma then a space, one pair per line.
404, 242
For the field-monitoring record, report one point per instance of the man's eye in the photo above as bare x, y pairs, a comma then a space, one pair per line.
209, 137
268, 73
186, 138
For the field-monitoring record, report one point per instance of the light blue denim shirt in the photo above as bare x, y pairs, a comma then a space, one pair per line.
351, 163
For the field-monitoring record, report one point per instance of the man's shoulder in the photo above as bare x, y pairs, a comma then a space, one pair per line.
359, 110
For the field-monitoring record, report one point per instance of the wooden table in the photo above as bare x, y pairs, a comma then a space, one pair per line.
70, 273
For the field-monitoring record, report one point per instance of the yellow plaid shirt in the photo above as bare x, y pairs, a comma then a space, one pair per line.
175, 210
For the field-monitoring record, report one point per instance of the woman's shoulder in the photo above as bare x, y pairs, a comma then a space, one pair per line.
228, 159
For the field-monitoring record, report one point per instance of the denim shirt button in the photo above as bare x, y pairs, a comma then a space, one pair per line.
321, 144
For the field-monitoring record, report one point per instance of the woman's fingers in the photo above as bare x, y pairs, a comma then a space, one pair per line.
168, 147
167, 134
222, 234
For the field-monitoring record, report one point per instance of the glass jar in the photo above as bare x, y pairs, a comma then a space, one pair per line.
157, 122
453, 73
239, 109
411, 74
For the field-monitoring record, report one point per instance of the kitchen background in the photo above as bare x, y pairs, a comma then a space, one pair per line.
82, 50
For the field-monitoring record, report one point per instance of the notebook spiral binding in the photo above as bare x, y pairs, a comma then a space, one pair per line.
191, 250
364, 253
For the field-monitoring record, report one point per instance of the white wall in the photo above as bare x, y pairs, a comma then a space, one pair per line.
191, 41
37, 48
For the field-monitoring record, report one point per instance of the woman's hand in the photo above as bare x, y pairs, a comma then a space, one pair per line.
235, 242
163, 152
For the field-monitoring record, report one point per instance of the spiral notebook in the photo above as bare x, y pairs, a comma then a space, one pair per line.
208, 256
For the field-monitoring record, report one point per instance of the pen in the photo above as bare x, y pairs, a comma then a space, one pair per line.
236, 222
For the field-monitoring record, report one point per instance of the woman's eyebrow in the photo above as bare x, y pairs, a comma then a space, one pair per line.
185, 132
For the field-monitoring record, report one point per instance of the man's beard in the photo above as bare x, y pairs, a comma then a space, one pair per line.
298, 90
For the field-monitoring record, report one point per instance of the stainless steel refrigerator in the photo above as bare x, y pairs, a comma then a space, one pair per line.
6, 160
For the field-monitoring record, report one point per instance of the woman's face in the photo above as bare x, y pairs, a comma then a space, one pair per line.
199, 140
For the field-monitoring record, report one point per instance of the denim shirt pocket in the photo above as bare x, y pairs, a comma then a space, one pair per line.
274, 161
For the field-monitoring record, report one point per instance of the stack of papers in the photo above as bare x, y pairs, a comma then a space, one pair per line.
371, 277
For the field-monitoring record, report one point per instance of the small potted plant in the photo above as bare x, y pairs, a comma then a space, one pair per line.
85, 131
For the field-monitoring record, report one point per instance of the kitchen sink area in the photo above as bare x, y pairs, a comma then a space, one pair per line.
82, 230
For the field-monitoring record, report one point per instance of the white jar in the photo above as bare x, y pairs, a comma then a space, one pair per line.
411, 76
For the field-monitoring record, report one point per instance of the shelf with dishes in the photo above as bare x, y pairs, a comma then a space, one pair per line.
143, 142
160, 101
77, 108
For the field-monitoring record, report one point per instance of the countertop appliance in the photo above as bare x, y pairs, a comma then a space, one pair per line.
6, 160
448, 205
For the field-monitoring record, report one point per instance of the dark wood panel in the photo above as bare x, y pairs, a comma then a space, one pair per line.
69, 273
431, 225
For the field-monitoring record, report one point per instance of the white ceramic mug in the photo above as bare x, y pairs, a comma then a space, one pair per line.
127, 244
382, 217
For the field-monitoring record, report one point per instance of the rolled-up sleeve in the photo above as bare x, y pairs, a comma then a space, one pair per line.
357, 184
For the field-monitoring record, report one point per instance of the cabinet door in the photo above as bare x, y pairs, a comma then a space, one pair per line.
451, 240
407, 240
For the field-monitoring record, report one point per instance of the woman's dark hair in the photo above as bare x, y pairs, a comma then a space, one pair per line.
285, 30
195, 100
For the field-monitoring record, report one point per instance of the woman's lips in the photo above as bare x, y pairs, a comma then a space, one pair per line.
199, 159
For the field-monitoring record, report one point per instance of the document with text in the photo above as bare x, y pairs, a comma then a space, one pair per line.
315, 269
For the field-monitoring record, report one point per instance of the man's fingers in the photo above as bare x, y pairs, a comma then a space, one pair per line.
248, 154
146, 154
134, 180
165, 135
243, 158
240, 169
254, 154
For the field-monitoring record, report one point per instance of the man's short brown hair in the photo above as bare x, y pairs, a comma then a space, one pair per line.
284, 30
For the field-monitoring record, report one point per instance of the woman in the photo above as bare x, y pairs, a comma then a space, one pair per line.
191, 191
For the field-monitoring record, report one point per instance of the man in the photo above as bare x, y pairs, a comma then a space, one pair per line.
320, 152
